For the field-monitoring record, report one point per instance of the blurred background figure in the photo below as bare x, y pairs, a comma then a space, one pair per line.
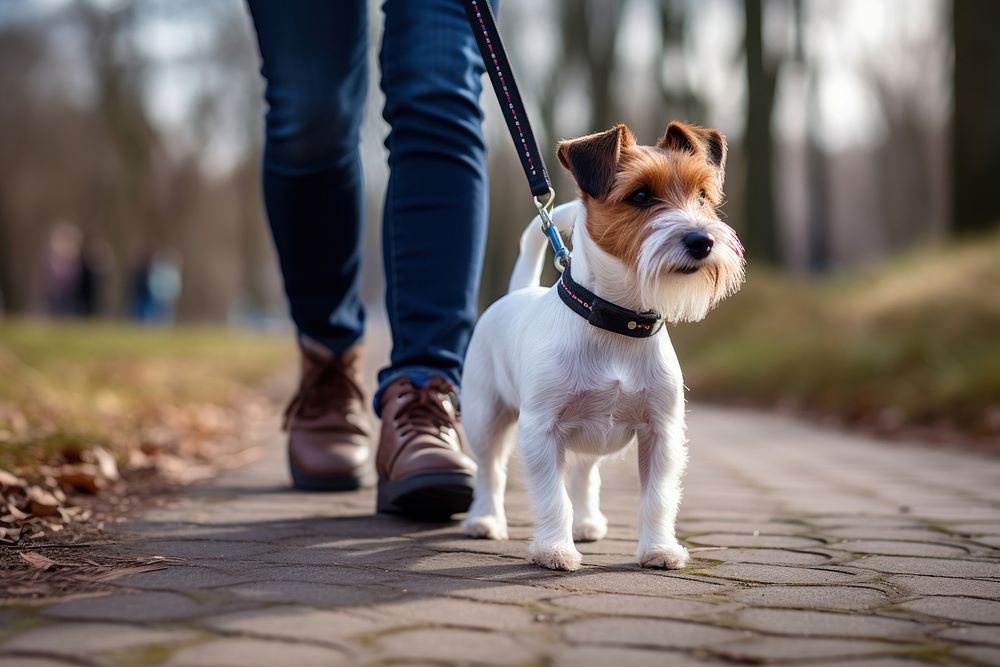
156, 286
67, 285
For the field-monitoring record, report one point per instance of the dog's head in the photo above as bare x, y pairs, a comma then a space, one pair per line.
654, 209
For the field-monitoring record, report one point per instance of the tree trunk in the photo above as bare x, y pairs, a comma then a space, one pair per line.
976, 131
10, 301
761, 223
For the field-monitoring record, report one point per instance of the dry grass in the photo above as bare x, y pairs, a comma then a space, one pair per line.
121, 387
913, 345
98, 420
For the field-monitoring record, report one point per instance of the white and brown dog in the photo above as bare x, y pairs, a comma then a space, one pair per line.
585, 367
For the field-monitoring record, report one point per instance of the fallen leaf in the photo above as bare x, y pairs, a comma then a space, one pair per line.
82, 477
42, 503
10, 482
37, 560
106, 463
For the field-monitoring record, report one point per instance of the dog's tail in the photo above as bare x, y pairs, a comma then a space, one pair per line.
528, 269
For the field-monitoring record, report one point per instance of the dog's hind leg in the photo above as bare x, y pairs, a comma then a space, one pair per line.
589, 524
490, 427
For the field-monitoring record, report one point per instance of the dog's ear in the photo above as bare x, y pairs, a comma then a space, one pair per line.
696, 140
593, 159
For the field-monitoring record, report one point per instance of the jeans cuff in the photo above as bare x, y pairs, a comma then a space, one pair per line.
418, 376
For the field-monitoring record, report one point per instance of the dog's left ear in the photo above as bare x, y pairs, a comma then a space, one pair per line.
593, 159
704, 141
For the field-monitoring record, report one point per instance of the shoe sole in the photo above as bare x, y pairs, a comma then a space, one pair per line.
306, 482
435, 495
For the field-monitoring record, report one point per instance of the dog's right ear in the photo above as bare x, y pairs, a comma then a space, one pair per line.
593, 159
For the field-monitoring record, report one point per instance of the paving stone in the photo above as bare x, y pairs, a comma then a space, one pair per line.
769, 649
971, 610
846, 598
864, 522
919, 585
292, 592
243, 651
185, 577
900, 548
596, 656
982, 655
763, 556
328, 556
459, 613
826, 624
202, 549
297, 623
740, 527
639, 605
149, 607
457, 647
486, 591
323, 574
755, 541
973, 635
74, 639
876, 662
647, 632
21, 660
779, 574
874, 533
939, 567
638, 581
975, 528
988, 540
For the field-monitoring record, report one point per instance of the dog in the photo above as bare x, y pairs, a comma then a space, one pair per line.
577, 372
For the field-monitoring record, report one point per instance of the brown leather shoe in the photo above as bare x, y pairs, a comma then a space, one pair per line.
328, 423
423, 468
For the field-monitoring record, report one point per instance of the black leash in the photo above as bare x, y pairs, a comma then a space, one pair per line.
597, 311
484, 27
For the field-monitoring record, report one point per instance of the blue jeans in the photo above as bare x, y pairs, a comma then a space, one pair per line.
314, 60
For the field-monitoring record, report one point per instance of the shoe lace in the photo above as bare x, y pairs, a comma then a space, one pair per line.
424, 411
326, 385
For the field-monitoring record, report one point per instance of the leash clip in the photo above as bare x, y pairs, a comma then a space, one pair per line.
561, 258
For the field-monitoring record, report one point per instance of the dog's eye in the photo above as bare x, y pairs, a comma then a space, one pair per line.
641, 198
702, 197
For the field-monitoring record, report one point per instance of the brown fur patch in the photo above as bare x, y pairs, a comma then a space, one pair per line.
674, 178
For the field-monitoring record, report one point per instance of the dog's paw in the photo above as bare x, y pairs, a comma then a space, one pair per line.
664, 557
485, 527
590, 530
557, 557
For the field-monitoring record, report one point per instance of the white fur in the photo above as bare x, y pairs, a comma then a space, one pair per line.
577, 393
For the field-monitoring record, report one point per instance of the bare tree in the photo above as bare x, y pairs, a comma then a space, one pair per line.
761, 215
818, 246
976, 132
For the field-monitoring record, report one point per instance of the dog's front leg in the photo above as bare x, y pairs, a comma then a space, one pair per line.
661, 464
544, 462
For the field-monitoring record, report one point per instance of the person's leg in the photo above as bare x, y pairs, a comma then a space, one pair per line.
314, 60
433, 236
436, 203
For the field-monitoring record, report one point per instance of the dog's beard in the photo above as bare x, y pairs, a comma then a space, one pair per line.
680, 287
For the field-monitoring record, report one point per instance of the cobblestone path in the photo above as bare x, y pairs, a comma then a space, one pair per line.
810, 547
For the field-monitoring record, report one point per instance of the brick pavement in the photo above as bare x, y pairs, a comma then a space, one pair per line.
809, 547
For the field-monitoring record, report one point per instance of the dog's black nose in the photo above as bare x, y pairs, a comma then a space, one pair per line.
699, 244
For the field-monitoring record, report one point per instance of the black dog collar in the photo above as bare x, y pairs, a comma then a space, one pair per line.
604, 314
